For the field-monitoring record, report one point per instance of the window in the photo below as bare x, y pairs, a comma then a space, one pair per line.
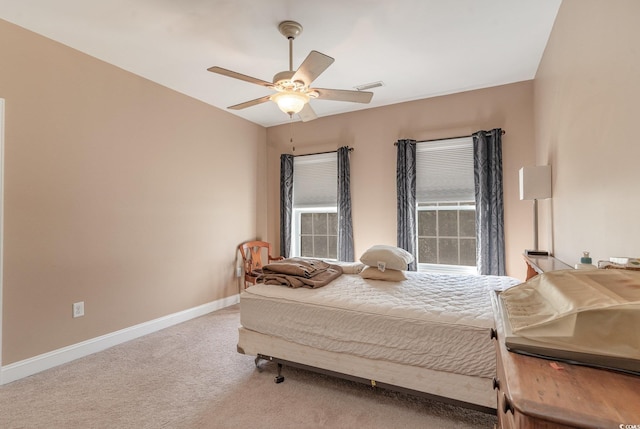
445, 197
314, 228
318, 233
447, 234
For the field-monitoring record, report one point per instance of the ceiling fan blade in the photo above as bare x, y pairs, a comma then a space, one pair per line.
250, 103
344, 95
236, 75
307, 113
312, 67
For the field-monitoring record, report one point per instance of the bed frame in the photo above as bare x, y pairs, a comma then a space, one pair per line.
462, 390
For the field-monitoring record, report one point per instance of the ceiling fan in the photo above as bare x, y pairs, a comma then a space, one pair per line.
293, 90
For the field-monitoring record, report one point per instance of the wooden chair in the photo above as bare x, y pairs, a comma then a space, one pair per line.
252, 253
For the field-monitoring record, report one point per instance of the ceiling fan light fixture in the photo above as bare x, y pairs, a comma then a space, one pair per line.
292, 87
290, 102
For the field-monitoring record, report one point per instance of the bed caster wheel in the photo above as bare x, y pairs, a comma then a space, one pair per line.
257, 362
279, 378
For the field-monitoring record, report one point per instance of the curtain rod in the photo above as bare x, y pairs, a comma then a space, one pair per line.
322, 153
449, 138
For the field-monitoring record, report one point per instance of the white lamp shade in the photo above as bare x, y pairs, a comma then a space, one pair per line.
535, 182
290, 102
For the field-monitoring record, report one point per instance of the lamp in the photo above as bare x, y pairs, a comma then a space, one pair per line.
290, 102
535, 184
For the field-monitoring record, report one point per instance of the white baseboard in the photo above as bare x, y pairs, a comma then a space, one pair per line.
27, 367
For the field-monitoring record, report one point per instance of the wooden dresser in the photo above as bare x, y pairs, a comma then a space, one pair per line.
541, 393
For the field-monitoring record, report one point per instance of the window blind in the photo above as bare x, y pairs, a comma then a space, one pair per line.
444, 171
315, 180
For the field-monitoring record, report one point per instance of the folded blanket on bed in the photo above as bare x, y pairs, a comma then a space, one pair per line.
299, 272
296, 267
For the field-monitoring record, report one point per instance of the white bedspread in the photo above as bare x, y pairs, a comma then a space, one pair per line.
436, 321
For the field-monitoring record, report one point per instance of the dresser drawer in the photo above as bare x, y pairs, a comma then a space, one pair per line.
504, 410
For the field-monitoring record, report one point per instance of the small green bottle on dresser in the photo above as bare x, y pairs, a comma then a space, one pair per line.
585, 262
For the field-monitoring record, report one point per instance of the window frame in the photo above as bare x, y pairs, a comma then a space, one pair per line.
296, 227
454, 150
316, 196
444, 268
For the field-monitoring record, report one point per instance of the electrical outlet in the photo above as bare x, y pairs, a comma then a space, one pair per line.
78, 309
238, 271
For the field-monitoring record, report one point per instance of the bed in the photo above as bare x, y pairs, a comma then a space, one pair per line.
428, 334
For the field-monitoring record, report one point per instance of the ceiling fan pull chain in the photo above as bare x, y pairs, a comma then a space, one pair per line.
293, 147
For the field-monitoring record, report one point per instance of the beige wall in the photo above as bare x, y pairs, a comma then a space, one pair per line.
372, 133
587, 112
118, 192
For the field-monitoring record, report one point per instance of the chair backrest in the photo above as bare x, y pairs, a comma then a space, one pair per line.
252, 254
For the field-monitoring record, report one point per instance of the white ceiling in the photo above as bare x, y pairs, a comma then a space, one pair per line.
418, 48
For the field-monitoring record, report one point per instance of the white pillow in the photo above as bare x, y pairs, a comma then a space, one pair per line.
386, 257
386, 275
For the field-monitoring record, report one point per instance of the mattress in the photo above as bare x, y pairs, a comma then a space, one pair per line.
435, 321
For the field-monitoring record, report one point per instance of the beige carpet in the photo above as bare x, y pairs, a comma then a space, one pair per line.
190, 376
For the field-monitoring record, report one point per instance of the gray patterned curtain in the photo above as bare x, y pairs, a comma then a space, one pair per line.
406, 189
345, 225
487, 169
286, 203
